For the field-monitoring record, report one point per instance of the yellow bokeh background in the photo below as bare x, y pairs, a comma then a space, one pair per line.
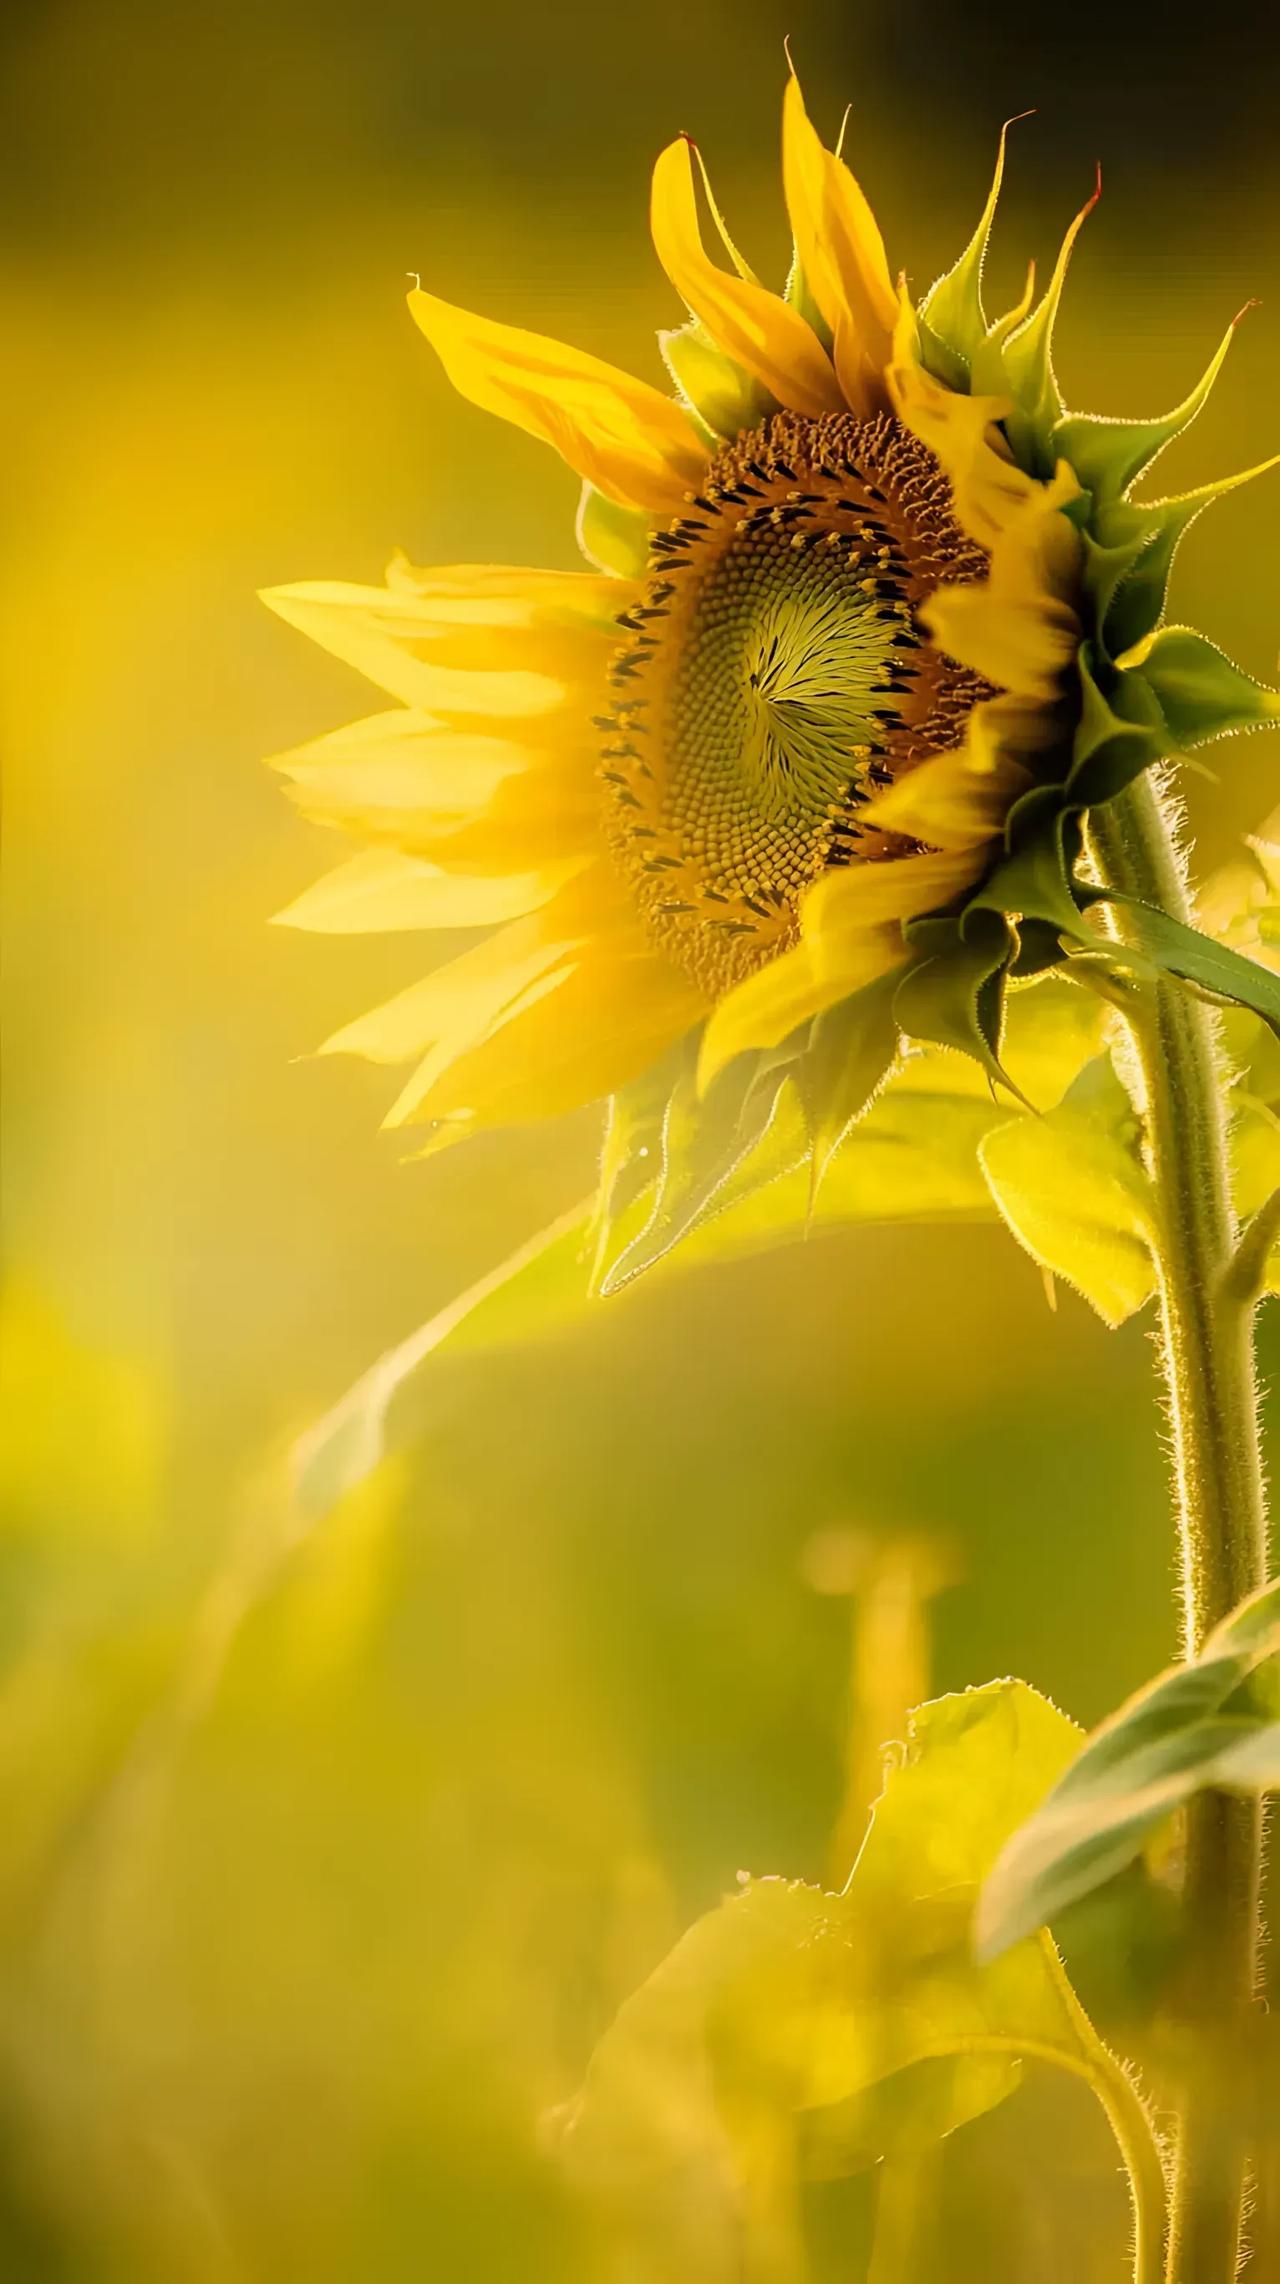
326, 1857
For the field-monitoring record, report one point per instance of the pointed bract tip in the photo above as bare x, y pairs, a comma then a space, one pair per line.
786, 49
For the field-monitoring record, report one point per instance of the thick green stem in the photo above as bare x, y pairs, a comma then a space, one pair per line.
1207, 1356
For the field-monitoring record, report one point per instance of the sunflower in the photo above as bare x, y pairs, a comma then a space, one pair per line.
801, 766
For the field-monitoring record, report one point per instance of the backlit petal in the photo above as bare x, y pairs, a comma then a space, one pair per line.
986, 487
472, 801
480, 615
382, 889
841, 254
1023, 646
766, 337
1018, 627
954, 801
844, 907
392, 638
577, 1033
635, 445
763, 1010
456, 1003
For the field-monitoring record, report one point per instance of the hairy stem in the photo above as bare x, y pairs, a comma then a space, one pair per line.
1206, 1345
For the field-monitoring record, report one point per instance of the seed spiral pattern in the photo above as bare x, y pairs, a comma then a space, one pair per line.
774, 674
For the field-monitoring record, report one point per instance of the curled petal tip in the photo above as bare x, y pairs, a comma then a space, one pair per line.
1017, 116
1253, 302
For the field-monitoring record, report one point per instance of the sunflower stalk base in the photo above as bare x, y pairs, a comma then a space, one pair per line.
1207, 1358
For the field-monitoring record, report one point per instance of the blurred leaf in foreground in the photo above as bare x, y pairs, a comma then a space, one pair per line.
798, 2035
913, 1156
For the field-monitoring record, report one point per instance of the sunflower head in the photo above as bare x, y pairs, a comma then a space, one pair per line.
798, 772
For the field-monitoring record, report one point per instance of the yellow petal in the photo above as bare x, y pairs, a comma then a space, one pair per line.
456, 1004
403, 762
381, 890
465, 995
388, 637
841, 254
575, 1035
763, 1010
472, 801
1022, 646
955, 801
481, 615
634, 445
769, 1005
759, 331
987, 489
1017, 627
844, 907
1039, 550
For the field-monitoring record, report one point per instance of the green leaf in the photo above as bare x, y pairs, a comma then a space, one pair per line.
1196, 959
1114, 543
612, 537
1197, 1725
726, 399
1035, 880
796, 2034
1138, 599
1072, 1188
939, 358
1028, 365
850, 1051
1253, 1051
706, 1144
545, 1278
954, 995
1200, 693
1120, 733
913, 1157
1109, 455
834, 2030
952, 316
1051, 1030
632, 1152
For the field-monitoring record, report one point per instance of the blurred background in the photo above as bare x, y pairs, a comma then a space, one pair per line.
327, 1856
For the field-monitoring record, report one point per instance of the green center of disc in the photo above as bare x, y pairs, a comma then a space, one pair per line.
773, 710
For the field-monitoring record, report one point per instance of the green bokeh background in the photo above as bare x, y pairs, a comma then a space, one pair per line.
326, 1857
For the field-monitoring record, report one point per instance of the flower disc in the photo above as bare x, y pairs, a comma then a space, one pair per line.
775, 676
